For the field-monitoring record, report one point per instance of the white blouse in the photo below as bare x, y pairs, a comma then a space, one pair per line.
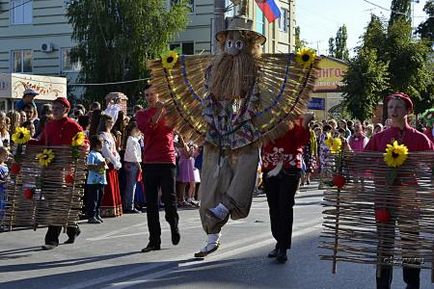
109, 150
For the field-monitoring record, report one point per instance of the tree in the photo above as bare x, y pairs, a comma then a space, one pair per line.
115, 38
338, 45
400, 9
426, 29
375, 37
409, 68
341, 50
364, 83
299, 43
331, 47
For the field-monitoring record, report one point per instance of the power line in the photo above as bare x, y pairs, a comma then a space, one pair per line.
81, 84
22, 4
390, 10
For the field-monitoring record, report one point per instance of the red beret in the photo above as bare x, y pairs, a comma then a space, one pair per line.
64, 101
402, 96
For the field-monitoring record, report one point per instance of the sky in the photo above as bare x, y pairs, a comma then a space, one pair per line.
320, 19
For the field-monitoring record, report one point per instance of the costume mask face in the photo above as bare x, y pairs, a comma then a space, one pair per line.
233, 46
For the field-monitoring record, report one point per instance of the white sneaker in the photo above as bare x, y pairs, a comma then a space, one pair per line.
220, 212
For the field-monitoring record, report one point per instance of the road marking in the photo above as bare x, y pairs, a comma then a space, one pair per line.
168, 267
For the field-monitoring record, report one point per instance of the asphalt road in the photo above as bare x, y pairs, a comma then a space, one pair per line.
108, 256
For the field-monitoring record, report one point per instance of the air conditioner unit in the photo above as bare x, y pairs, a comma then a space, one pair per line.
46, 47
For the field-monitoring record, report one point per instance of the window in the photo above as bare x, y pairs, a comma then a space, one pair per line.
21, 11
190, 4
283, 20
186, 48
22, 61
259, 20
67, 64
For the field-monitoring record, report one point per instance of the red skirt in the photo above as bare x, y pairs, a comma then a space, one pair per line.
111, 204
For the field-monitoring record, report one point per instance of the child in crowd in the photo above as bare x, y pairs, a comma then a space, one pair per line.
186, 175
4, 171
132, 167
96, 180
30, 126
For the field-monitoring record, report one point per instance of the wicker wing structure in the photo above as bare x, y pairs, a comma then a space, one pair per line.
284, 87
45, 195
382, 215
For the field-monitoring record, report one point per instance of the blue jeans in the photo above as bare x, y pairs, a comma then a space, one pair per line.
131, 172
93, 201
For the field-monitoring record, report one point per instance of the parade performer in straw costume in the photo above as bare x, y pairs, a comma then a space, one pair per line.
399, 105
59, 131
233, 100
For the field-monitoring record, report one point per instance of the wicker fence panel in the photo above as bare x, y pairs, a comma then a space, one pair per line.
352, 232
57, 190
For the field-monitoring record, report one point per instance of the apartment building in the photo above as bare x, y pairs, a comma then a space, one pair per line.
35, 36
197, 38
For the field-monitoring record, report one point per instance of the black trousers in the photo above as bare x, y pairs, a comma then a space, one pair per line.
411, 275
280, 191
53, 233
158, 176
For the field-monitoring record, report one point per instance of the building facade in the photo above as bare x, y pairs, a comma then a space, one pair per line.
198, 37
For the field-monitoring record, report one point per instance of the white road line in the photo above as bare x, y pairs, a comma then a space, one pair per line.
230, 249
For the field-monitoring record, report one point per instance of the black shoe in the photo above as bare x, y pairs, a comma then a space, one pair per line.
150, 248
71, 239
99, 219
273, 253
281, 256
176, 236
94, 220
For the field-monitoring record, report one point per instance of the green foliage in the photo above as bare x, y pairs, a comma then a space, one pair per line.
338, 45
115, 38
331, 47
426, 29
341, 50
299, 43
364, 82
388, 60
401, 9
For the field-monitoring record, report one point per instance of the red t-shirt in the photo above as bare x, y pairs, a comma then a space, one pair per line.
158, 139
288, 148
58, 132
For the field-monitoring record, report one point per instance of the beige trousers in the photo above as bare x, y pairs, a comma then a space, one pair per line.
228, 179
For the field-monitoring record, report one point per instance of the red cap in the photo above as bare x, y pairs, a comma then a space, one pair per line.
402, 96
64, 101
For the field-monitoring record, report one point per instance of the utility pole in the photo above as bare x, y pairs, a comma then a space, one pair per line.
219, 21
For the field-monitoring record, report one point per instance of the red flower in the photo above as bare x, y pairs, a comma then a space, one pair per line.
339, 181
382, 215
15, 169
69, 179
28, 194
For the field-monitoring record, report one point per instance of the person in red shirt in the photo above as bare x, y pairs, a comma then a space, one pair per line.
159, 169
399, 105
281, 167
58, 132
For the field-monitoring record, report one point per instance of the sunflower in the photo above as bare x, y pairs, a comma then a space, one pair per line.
45, 158
21, 135
78, 139
169, 59
395, 154
305, 57
333, 143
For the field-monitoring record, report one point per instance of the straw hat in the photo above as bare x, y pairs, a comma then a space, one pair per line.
241, 24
